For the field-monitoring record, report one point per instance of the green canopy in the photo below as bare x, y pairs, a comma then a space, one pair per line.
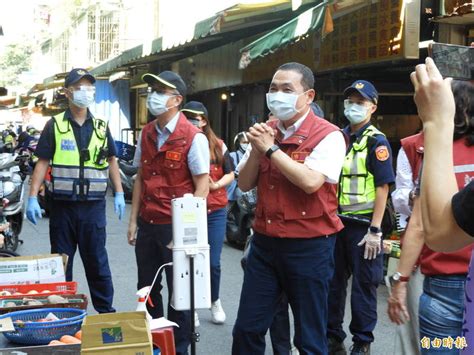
122, 59
311, 19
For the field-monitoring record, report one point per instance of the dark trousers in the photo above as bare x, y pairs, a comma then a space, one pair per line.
81, 225
152, 251
280, 328
216, 223
366, 276
300, 268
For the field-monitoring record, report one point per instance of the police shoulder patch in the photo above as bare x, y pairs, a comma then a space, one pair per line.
382, 153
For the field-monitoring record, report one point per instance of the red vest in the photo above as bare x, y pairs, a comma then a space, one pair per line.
165, 173
218, 198
284, 210
431, 262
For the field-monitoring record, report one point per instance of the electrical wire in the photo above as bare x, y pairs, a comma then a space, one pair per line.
154, 280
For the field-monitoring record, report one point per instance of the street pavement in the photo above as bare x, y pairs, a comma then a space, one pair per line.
215, 339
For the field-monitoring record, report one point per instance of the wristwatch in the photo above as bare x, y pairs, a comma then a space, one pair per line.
375, 230
398, 277
271, 150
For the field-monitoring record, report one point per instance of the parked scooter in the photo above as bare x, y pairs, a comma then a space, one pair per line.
240, 218
127, 175
12, 176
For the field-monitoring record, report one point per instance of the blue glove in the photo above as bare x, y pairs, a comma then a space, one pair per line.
119, 204
33, 210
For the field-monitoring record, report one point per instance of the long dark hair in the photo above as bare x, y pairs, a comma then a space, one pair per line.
215, 148
464, 117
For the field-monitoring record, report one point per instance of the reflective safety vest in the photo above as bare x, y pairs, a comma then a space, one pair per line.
79, 175
357, 184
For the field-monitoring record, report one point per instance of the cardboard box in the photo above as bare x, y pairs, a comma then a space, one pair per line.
33, 269
125, 333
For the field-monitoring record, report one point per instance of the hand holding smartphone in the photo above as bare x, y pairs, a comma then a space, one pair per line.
453, 61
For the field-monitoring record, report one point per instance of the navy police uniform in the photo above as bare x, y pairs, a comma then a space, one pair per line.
81, 224
349, 257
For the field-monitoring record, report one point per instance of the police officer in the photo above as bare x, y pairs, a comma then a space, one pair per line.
81, 152
363, 190
295, 162
173, 159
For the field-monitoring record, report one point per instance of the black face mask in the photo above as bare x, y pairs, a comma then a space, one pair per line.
194, 122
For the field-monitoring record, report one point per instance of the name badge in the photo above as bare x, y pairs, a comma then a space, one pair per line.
68, 144
299, 156
170, 155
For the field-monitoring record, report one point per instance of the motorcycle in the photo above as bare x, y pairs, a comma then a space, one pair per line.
13, 172
128, 174
240, 217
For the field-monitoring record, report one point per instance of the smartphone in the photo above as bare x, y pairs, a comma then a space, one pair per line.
453, 61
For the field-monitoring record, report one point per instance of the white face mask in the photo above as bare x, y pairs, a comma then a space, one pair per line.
283, 105
156, 103
83, 97
244, 146
355, 113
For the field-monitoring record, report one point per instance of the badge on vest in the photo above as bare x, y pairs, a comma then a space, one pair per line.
68, 144
382, 153
170, 155
299, 156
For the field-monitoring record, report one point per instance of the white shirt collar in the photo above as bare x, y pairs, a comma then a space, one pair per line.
287, 133
171, 125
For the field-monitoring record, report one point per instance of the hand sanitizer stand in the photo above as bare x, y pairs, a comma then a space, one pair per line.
191, 266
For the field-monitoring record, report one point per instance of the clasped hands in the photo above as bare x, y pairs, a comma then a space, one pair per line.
261, 136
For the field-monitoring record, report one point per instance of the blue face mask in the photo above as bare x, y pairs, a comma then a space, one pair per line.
355, 113
83, 98
156, 103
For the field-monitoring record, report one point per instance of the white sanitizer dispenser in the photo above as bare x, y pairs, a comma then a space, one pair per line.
189, 217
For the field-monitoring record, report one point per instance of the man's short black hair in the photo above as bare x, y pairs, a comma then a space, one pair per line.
307, 77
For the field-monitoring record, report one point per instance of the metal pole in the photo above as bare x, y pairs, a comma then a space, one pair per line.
194, 335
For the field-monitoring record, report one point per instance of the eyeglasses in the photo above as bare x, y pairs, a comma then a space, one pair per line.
150, 89
348, 102
83, 87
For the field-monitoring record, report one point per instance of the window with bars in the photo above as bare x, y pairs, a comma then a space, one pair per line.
61, 51
103, 34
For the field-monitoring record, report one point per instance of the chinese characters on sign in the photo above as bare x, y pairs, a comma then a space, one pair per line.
370, 34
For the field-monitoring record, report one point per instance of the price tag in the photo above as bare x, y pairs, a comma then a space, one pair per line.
6, 325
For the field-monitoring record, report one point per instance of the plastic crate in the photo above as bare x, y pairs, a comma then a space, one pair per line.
41, 333
56, 288
75, 301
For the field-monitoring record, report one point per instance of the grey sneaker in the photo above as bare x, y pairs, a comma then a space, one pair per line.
336, 347
360, 349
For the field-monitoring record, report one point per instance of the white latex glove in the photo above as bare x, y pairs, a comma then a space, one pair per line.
373, 245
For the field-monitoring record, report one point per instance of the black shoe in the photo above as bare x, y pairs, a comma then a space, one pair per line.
336, 347
360, 349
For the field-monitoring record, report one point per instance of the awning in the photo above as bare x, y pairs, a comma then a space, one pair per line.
312, 19
124, 58
237, 22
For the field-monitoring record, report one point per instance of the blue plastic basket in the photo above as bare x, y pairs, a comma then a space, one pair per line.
41, 333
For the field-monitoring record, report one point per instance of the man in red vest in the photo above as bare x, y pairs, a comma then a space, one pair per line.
295, 163
173, 159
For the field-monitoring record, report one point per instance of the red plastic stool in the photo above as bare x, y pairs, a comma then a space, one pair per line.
163, 338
